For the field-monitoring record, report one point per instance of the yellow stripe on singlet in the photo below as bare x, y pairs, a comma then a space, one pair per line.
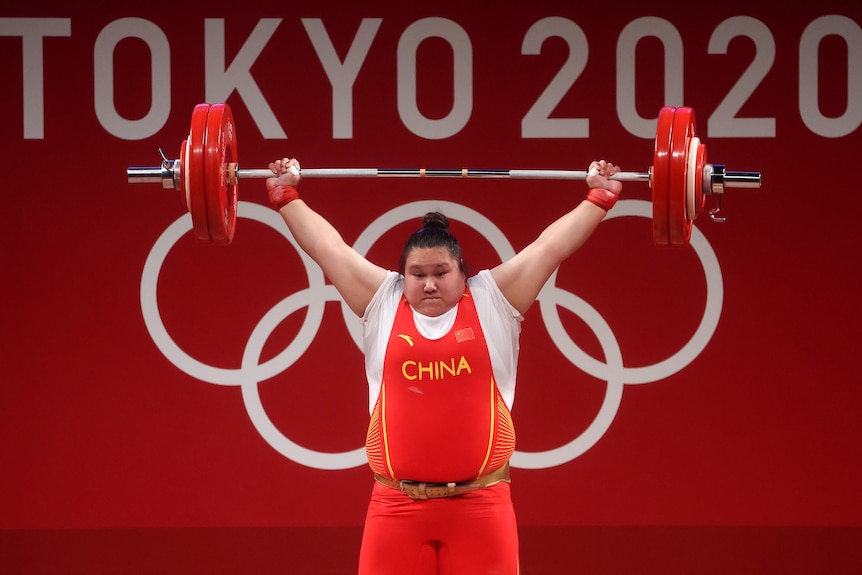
491, 432
383, 426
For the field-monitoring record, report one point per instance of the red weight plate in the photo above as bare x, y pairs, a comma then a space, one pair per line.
679, 226
195, 177
221, 196
660, 169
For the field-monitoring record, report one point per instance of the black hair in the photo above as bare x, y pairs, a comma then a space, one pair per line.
434, 233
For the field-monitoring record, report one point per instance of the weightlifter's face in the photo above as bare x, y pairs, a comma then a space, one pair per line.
433, 281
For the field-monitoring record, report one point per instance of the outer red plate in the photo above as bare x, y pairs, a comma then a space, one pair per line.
660, 176
679, 226
221, 196
195, 177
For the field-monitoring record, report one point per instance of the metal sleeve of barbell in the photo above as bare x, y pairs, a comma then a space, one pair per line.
742, 179
145, 174
444, 173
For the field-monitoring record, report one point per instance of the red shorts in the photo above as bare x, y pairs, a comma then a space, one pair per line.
471, 534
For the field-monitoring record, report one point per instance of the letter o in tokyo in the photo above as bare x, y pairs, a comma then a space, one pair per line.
462, 51
160, 73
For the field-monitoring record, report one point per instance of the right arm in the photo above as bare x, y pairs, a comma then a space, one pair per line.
355, 278
522, 277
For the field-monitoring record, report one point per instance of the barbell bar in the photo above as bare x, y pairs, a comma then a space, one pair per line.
207, 174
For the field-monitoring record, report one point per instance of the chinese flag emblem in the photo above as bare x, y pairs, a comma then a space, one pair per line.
465, 334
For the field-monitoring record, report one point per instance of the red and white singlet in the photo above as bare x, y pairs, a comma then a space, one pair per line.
439, 416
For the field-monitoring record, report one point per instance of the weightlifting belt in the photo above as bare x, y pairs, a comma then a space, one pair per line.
420, 490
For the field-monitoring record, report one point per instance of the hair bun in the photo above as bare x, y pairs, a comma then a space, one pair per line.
435, 220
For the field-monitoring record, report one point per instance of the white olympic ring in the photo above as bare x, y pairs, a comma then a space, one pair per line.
251, 372
673, 364
193, 367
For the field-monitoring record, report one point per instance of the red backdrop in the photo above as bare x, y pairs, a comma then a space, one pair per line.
678, 411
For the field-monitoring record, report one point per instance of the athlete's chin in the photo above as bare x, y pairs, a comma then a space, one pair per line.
432, 307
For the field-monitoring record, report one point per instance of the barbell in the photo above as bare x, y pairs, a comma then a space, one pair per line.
207, 174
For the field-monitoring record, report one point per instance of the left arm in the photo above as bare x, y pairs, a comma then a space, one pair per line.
521, 278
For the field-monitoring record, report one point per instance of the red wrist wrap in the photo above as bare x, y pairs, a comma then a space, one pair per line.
280, 196
603, 198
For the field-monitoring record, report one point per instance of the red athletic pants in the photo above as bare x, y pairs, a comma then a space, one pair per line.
473, 534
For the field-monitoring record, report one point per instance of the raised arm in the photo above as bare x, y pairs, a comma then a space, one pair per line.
355, 278
521, 278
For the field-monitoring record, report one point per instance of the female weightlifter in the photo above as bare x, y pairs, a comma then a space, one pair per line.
440, 358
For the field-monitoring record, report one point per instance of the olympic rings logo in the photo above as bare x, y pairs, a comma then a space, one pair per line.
315, 296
